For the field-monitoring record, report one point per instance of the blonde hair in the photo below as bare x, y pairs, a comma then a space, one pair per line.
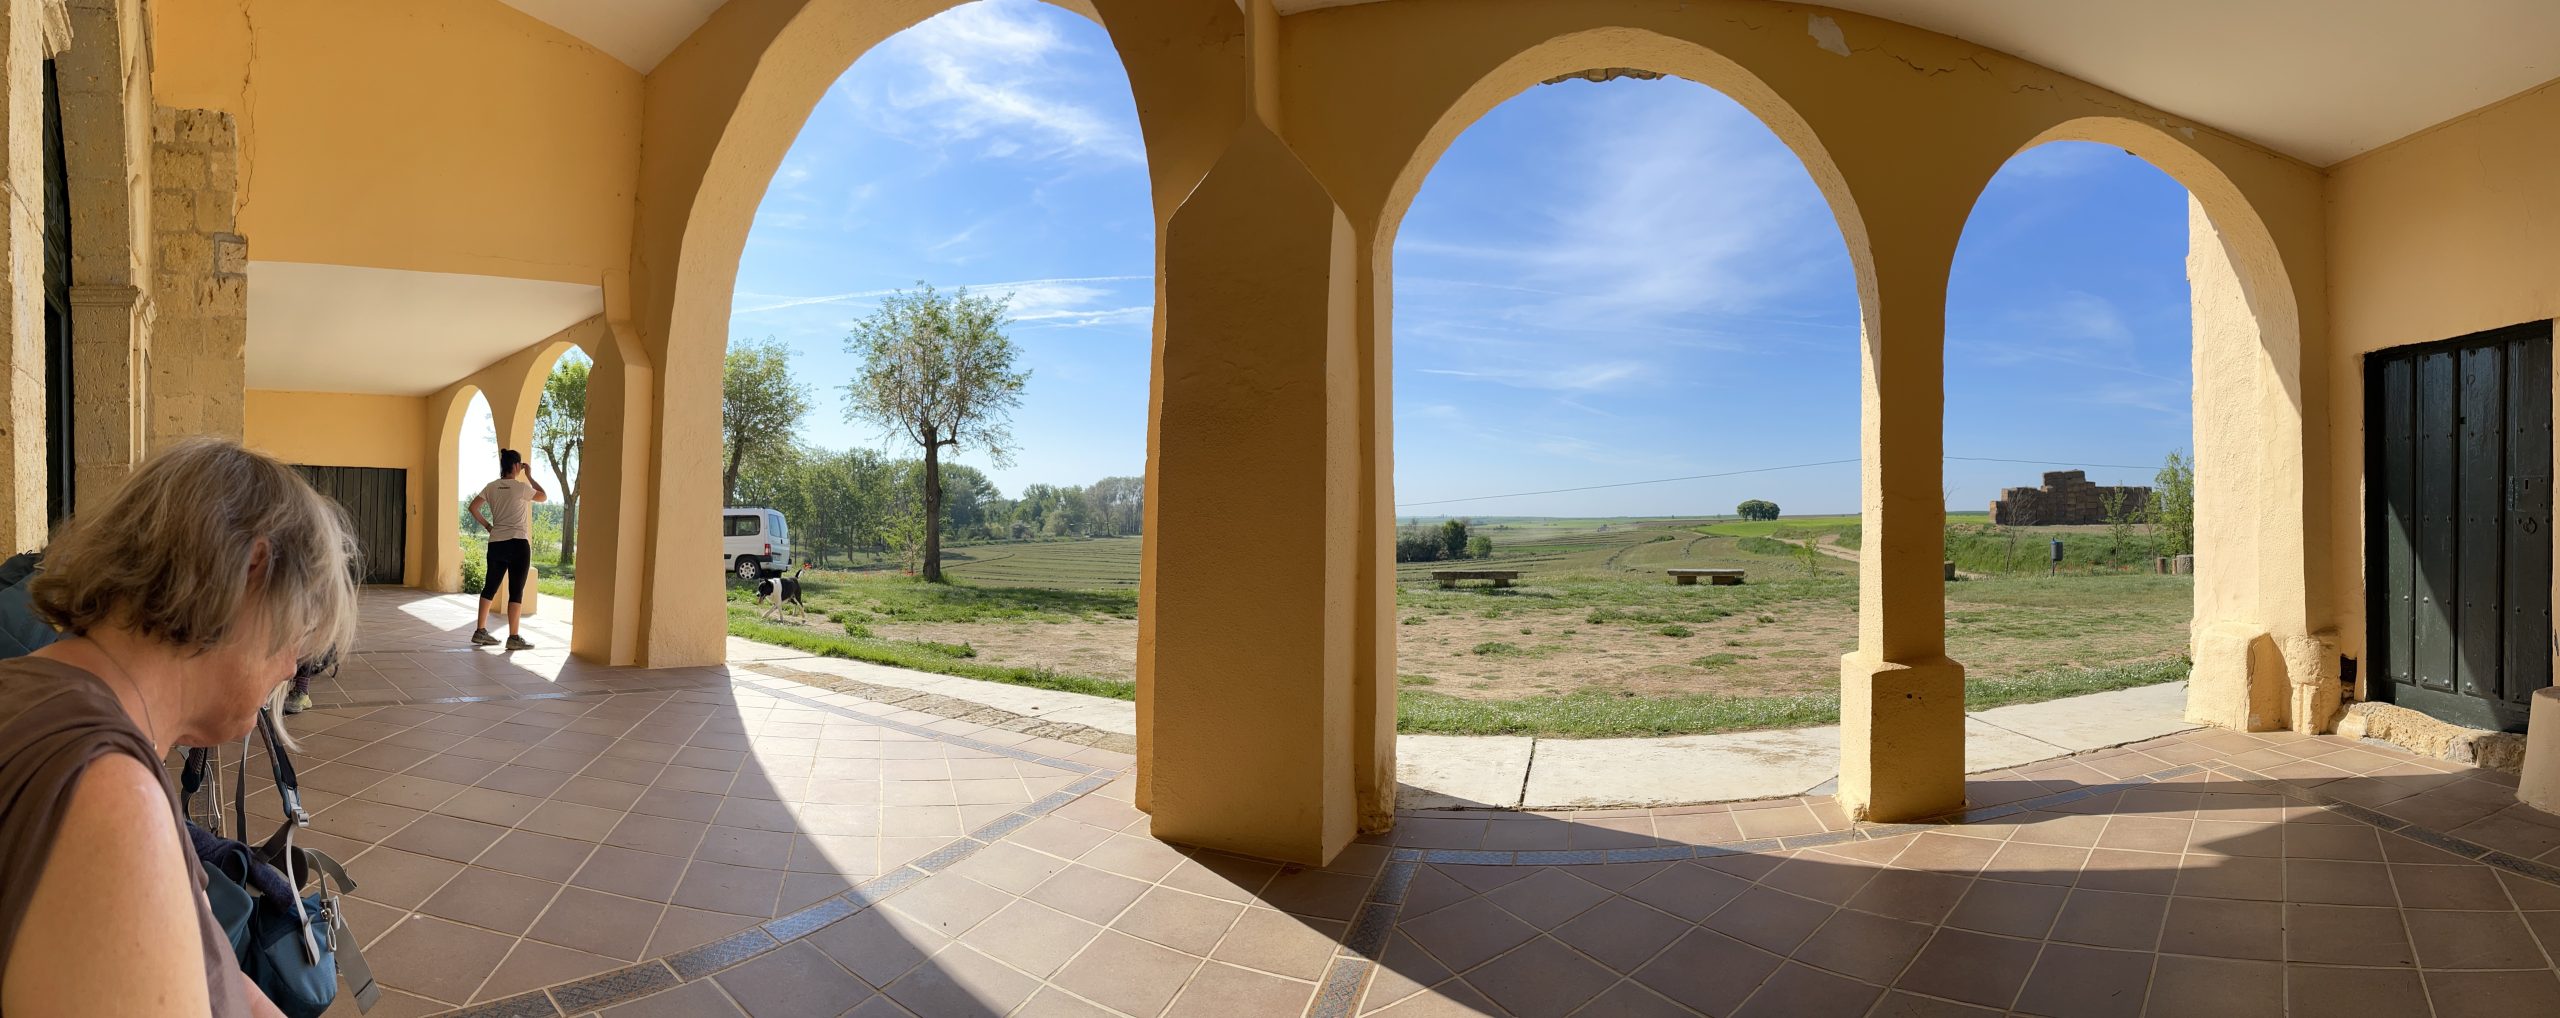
200, 537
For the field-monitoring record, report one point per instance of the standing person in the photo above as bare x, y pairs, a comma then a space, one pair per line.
183, 602
508, 517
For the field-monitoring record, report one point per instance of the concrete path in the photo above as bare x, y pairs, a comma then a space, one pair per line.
1513, 772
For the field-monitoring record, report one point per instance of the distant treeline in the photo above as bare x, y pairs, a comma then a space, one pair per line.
1440, 542
860, 500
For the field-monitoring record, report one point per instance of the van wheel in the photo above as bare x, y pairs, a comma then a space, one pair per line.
747, 568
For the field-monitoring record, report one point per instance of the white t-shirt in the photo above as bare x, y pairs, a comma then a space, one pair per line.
510, 509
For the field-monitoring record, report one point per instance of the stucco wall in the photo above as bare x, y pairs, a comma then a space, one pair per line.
2448, 232
439, 135
335, 429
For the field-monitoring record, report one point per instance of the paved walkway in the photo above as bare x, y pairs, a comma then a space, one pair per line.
719, 842
1512, 772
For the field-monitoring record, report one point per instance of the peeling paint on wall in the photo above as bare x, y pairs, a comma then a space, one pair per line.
1826, 34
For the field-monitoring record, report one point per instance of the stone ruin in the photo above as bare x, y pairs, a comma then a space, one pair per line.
2067, 499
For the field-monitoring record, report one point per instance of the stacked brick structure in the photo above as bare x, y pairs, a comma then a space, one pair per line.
199, 344
2067, 499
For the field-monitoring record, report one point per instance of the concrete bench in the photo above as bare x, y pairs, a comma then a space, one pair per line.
1449, 577
1716, 577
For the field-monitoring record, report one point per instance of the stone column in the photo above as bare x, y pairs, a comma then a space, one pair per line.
199, 346
105, 80
29, 32
1901, 698
1251, 714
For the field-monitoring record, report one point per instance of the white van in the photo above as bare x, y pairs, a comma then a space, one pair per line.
752, 540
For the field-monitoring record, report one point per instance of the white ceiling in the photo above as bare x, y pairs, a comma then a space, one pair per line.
2320, 80
340, 328
637, 32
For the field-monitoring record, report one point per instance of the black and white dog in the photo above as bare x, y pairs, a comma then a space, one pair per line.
782, 589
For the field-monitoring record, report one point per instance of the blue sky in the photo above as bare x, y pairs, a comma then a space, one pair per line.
1597, 283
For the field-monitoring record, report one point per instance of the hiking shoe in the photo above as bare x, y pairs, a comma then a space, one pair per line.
481, 638
519, 643
297, 703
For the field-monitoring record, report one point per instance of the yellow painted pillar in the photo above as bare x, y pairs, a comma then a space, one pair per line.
613, 500
1901, 698
1250, 703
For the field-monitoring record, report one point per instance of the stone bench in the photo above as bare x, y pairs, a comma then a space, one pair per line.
1449, 577
1716, 577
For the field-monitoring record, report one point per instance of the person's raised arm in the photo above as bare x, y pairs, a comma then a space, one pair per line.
111, 929
480, 502
539, 495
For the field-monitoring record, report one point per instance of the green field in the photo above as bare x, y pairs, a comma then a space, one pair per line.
1595, 640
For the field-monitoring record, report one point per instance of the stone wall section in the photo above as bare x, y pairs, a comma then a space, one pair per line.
106, 132
2066, 499
26, 40
199, 343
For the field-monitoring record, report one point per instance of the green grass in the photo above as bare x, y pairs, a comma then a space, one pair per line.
877, 597
923, 657
1596, 714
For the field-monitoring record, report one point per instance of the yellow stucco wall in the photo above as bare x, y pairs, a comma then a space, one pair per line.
437, 135
2445, 233
337, 429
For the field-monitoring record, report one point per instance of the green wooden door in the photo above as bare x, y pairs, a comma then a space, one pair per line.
2458, 525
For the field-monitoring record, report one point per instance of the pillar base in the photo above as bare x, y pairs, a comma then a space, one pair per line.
1901, 738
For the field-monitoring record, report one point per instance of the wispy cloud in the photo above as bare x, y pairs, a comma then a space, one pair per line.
1666, 217
2075, 329
987, 74
1029, 295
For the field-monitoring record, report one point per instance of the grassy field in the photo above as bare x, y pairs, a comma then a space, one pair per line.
1595, 641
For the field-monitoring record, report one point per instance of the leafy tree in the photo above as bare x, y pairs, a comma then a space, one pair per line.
560, 435
1757, 509
1479, 546
939, 370
2173, 504
760, 407
1453, 539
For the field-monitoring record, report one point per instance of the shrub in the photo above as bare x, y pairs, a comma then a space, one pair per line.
475, 563
1494, 649
1479, 546
1674, 631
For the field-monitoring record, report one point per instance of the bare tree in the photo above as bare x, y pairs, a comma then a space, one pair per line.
938, 370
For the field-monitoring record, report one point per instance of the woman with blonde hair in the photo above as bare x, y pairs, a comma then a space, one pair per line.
185, 601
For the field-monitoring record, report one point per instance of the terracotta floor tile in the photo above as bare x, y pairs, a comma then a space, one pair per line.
1128, 974
534, 965
598, 923
1088, 894
490, 899
398, 878
740, 846
446, 837
1034, 938
1970, 967
1316, 893
961, 981
739, 890
2086, 982
1690, 890
1541, 977
1822, 877
2111, 869
1708, 971
2260, 879
790, 981
437, 959
2114, 919
1468, 933
2472, 940
1946, 853
2010, 909
2493, 994
641, 832
1547, 898
1224, 991
630, 873
1289, 945
1897, 1004
1770, 920
2224, 928
1777, 823
877, 944
1866, 947
2332, 882
1186, 922
2467, 887
684, 928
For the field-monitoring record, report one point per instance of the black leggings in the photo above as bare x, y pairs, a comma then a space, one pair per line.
508, 560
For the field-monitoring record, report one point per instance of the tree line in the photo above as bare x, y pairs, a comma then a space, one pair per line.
1447, 540
846, 502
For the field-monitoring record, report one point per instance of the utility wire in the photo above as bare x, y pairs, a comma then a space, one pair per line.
1738, 473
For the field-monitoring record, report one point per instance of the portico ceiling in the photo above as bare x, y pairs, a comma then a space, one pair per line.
342, 328
637, 32
2319, 80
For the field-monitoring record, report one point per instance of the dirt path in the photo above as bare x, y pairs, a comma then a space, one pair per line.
1828, 544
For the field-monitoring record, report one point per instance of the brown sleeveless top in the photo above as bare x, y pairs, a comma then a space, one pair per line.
54, 720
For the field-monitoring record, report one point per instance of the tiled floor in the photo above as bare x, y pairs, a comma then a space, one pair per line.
716, 842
